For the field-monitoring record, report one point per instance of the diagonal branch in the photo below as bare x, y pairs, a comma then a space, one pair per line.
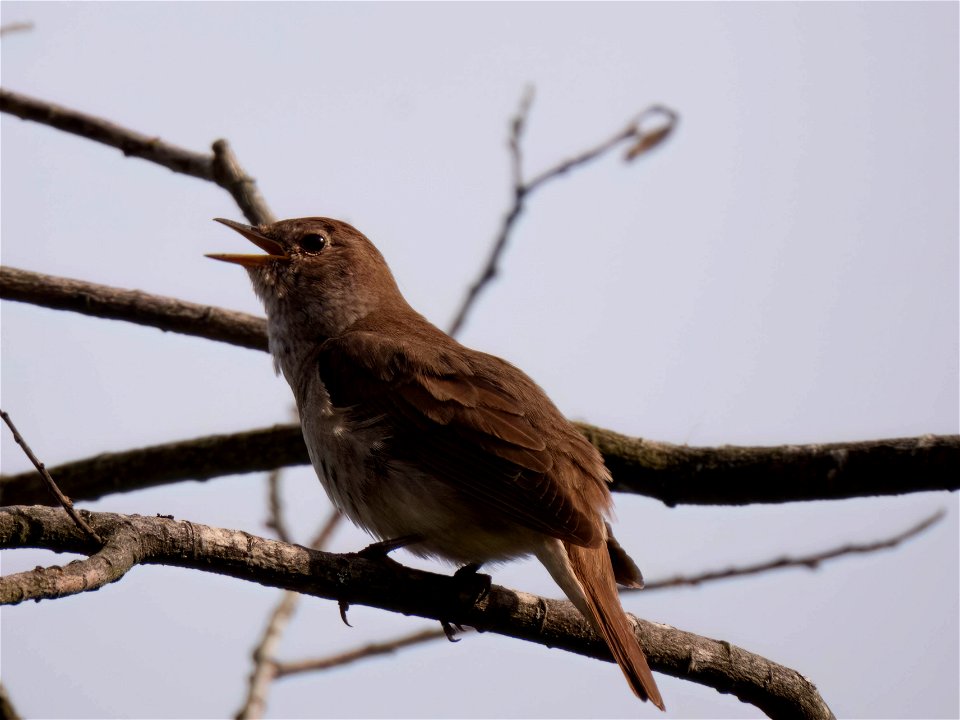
522, 189
168, 314
49, 483
266, 668
778, 691
674, 474
220, 168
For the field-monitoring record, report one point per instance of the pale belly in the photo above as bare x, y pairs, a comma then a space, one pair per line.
391, 500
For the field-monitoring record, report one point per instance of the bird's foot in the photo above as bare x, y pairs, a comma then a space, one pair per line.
472, 585
380, 550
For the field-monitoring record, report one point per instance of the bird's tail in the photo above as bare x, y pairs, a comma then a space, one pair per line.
587, 577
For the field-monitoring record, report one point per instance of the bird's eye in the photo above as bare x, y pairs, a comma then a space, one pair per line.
312, 243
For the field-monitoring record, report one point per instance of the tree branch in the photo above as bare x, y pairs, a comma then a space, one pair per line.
48, 479
198, 459
674, 474
811, 562
522, 189
266, 668
778, 691
220, 168
167, 314
739, 475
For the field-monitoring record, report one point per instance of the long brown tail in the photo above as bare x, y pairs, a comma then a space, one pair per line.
592, 569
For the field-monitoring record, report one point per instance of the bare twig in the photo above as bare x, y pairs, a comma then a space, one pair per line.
388, 647
778, 691
812, 561
275, 519
168, 314
265, 667
674, 474
220, 168
522, 189
48, 480
15, 27
228, 174
275, 516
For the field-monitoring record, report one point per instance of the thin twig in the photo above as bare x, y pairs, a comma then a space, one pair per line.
522, 189
167, 314
812, 561
15, 27
220, 167
275, 517
388, 647
51, 485
265, 667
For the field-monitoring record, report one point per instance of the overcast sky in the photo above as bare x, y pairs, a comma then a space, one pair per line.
784, 270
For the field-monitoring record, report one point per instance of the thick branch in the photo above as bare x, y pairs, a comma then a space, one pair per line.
675, 474
737, 475
199, 459
221, 167
168, 314
778, 691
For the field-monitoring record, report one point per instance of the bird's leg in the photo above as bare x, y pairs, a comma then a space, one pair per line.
468, 570
379, 550
473, 586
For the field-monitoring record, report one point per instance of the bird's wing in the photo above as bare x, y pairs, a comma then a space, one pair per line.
476, 422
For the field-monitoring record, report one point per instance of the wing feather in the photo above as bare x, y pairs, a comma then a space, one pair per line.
461, 416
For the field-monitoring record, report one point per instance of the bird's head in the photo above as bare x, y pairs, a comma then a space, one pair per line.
318, 274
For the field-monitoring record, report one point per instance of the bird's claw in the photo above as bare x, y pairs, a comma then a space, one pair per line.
451, 630
344, 606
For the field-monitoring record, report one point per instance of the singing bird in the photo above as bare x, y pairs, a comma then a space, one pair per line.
453, 452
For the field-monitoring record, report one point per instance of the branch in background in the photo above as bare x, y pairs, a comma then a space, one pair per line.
6, 30
49, 483
266, 669
674, 474
167, 314
643, 141
811, 562
778, 691
389, 647
220, 168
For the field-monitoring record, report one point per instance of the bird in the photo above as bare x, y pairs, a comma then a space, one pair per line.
425, 443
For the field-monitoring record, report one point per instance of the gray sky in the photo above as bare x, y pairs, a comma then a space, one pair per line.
784, 270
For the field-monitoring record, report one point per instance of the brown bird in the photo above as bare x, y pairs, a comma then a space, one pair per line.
416, 438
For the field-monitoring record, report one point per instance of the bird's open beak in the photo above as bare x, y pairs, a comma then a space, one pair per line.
274, 249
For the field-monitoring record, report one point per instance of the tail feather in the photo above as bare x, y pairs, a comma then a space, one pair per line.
587, 578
